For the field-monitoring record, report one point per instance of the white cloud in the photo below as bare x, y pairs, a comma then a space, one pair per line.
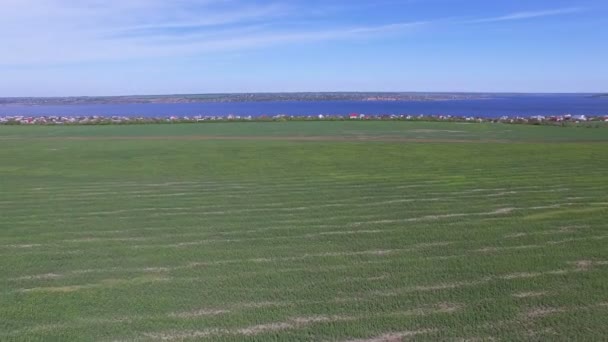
529, 15
39, 32
44, 32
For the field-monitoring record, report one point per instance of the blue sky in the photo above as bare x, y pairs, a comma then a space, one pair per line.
112, 47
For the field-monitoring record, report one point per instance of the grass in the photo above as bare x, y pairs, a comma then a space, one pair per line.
133, 233
348, 129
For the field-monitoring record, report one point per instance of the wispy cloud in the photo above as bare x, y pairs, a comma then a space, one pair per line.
39, 32
529, 15
243, 14
69, 31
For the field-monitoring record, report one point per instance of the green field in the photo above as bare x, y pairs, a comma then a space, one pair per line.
300, 231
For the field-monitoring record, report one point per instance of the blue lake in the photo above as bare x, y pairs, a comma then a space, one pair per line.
498, 105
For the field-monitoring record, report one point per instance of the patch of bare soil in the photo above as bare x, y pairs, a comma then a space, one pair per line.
40, 277
560, 230
587, 265
583, 265
103, 283
477, 339
530, 294
542, 312
395, 337
521, 275
300, 322
23, 245
198, 313
56, 289
253, 330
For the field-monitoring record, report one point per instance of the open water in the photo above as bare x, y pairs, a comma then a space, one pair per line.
496, 106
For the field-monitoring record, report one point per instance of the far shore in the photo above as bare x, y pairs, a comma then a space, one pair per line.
558, 120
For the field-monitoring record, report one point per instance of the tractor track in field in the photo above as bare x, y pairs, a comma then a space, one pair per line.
334, 138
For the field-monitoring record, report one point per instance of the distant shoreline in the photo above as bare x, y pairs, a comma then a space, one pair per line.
244, 97
271, 97
452, 105
600, 121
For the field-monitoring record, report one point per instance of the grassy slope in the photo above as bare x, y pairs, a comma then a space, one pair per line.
261, 240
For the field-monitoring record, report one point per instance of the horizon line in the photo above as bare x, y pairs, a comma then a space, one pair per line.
319, 92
